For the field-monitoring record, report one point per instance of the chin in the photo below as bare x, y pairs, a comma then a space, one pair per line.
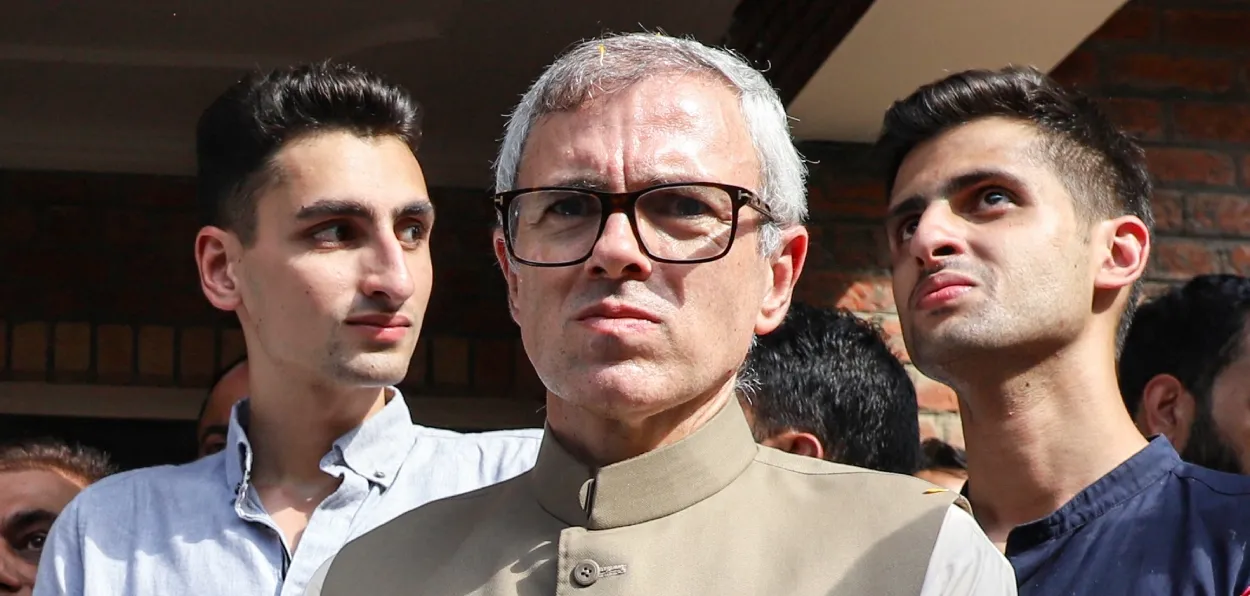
372, 370
615, 387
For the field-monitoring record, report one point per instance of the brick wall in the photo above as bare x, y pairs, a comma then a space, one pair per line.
99, 286
1174, 73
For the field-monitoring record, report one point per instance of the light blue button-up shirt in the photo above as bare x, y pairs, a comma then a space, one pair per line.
200, 528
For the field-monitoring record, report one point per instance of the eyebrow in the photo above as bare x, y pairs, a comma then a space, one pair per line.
916, 203
325, 208
27, 518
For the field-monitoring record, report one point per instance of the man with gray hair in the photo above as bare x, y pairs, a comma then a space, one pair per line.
651, 205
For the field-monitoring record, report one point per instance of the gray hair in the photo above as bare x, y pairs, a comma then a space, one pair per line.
609, 64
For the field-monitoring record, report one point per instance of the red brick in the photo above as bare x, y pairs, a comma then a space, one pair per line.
860, 293
1176, 259
1239, 260
1159, 71
933, 396
828, 196
1225, 29
1142, 118
1169, 211
1079, 69
451, 360
1197, 121
1220, 214
1190, 165
1131, 23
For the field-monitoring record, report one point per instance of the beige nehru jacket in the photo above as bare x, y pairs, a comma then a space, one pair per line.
711, 514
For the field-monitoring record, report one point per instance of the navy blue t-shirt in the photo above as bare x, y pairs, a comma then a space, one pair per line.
1153, 525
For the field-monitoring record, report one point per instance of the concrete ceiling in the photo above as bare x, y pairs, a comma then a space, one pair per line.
898, 45
117, 85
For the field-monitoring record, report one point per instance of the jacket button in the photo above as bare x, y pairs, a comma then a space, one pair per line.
586, 573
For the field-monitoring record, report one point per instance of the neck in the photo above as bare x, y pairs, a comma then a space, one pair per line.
598, 440
293, 425
1038, 436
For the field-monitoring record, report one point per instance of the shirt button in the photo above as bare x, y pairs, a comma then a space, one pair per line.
586, 573
379, 474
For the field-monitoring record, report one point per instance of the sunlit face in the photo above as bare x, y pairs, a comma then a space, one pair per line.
987, 250
621, 335
335, 286
30, 500
215, 423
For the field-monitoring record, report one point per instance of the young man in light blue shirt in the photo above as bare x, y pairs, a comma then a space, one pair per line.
318, 239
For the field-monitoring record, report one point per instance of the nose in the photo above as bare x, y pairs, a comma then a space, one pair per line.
14, 579
617, 253
937, 236
387, 271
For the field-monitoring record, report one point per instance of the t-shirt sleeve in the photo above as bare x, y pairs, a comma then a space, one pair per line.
965, 563
61, 564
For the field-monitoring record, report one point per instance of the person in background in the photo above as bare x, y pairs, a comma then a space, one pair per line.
38, 477
824, 384
1185, 371
213, 423
1019, 227
943, 464
651, 205
317, 237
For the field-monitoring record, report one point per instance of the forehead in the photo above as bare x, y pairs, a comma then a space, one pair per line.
989, 144
341, 165
35, 489
662, 129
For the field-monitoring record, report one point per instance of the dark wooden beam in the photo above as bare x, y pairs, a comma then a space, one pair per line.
790, 40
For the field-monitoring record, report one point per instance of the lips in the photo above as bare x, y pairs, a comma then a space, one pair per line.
615, 310
939, 289
381, 320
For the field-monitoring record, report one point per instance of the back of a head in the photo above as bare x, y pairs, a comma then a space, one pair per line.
83, 464
1192, 333
599, 67
1100, 166
239, 133
830, 373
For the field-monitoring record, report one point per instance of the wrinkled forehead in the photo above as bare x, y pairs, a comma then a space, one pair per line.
1013, 148
663, 129
44, 489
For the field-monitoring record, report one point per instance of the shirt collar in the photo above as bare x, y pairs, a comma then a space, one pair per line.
1148, 466
649, 486
375, 449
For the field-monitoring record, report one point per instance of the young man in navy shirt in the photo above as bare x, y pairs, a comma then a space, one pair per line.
1019, 228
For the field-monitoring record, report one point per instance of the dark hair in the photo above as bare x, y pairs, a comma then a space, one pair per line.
940, 455
830, 373
1101, 167
221, 374
242, 129
1192, 332
83, 463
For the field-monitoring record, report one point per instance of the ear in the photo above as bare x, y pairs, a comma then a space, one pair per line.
796, 442
509, 274
785, 266
1167, 408
215, 253
1128, 244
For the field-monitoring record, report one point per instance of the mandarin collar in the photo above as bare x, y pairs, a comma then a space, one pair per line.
649, 486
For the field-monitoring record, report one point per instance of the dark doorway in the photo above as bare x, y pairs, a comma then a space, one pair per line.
131, 443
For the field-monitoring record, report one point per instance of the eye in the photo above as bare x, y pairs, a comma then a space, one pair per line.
906, 229
575, 206
413, 233
333, 234
33, 542
993, 197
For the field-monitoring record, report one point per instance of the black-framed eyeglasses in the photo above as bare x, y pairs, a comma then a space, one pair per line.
681, 222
